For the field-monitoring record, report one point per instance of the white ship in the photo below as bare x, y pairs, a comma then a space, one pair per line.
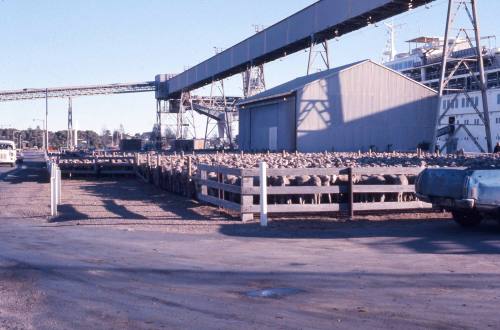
423, 62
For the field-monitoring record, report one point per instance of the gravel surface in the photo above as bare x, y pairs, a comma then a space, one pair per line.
149, 260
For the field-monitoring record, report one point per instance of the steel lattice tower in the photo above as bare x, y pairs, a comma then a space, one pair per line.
450, 64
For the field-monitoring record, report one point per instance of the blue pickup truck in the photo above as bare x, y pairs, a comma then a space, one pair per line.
470, 194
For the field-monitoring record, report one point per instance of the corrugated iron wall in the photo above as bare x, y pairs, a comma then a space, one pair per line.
363, 107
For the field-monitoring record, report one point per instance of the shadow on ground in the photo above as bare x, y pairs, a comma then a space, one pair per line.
117, 197
32, 173
433, 235
179, 276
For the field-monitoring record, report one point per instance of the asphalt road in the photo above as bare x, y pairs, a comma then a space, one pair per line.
398, 274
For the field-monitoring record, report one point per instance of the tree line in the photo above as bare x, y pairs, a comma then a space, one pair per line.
30, 138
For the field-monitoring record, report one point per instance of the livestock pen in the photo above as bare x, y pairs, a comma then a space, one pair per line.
310, 190
300, 183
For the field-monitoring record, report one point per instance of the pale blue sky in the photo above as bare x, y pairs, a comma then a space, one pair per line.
77, 42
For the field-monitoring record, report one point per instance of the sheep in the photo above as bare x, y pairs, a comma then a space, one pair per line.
326, 182
371, 197
401, 180
302, 180
316, 182
178, 173
235, 181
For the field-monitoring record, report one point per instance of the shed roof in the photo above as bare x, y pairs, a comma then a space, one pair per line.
292, 86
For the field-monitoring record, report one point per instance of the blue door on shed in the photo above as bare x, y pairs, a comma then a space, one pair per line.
273, 118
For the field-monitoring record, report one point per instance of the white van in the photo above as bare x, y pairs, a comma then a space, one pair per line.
8, 153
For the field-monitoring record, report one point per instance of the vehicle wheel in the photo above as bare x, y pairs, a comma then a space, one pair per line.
467, 218
12, 165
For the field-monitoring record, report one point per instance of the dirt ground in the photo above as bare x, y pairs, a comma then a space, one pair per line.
123, 254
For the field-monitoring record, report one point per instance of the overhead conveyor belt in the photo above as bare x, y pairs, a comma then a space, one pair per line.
323, 20
63, 92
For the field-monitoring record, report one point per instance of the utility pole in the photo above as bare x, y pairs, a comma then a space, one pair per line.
70, 139
46, 144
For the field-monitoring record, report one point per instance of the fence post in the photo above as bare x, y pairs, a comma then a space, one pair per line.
350, 191
59, 185
52, 197
203, 177
263, 193
220, 179
55, 184
190, 179
53, 190
246, 200
148, 168
159, 170
96, 170
136, 162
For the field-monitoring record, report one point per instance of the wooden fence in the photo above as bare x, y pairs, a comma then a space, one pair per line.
239, 189
242, 197
97, 165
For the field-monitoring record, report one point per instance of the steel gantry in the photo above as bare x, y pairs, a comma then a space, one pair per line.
451, 64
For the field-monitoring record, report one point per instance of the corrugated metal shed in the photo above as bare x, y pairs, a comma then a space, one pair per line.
293, 85
354, 107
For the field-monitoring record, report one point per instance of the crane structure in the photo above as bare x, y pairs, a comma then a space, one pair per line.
452, 64
177, 117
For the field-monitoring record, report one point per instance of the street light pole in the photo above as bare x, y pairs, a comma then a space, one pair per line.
46, 120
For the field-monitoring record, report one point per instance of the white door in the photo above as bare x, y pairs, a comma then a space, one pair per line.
273, 138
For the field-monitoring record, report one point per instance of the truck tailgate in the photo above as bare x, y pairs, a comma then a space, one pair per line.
442, 182
487, 185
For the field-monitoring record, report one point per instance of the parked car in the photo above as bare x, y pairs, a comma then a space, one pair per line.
469, 194
8, 152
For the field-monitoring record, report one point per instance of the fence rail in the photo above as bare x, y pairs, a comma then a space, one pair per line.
347, 196
97, 165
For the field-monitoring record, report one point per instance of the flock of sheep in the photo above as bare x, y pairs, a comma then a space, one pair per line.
178, 173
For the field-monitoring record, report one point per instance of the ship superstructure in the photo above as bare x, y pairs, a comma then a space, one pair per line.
423, 63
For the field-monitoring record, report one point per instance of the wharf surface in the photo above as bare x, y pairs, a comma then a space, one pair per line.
149, 259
